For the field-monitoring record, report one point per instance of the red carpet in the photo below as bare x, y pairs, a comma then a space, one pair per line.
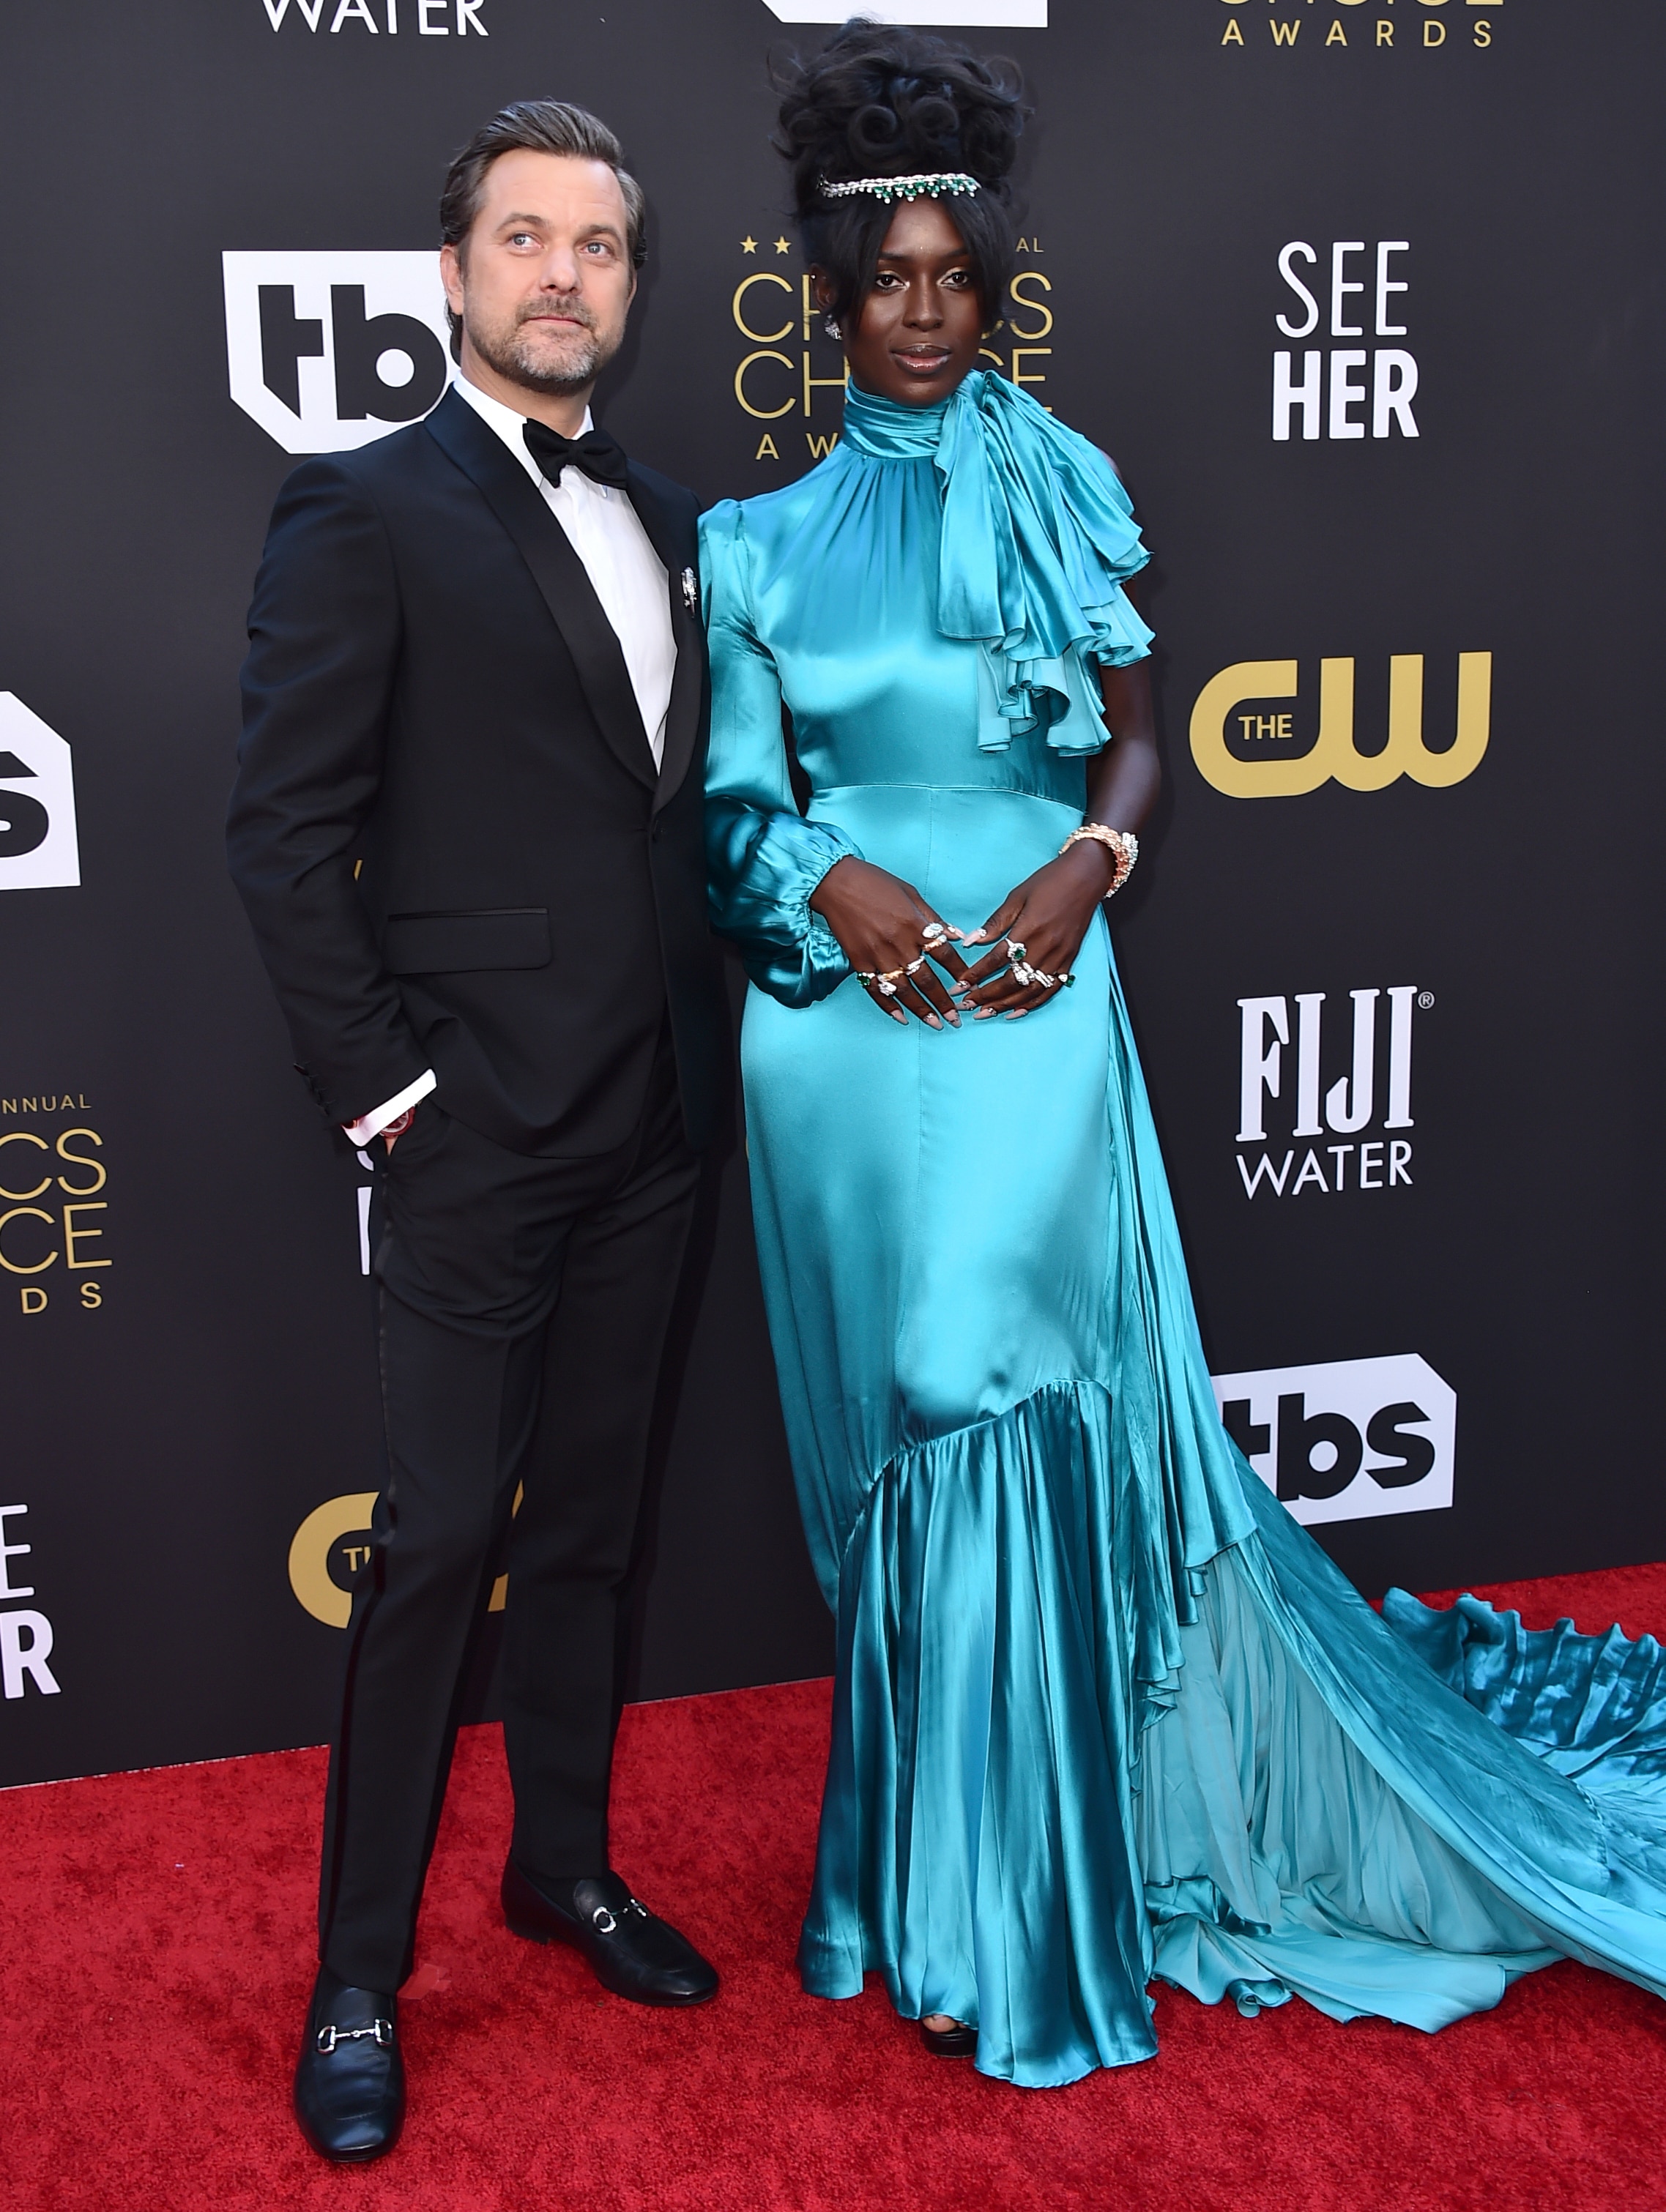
157, 1960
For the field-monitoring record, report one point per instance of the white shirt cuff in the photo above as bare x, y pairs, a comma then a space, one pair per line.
372, 1123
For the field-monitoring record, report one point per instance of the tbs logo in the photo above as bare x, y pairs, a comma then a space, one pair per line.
1349, 1440
37, 846
329, 350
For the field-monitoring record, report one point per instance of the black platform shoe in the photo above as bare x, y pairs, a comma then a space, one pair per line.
957, 2042
350, 2093
630, 1951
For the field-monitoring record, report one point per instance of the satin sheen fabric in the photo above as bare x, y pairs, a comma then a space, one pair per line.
1105, 1712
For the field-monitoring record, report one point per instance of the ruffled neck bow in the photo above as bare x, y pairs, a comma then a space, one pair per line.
1037, 539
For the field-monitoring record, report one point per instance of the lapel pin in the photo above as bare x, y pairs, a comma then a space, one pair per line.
690, 591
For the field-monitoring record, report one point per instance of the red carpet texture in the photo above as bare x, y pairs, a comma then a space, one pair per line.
158, 1956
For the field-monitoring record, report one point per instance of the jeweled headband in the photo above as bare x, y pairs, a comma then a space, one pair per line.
900, 188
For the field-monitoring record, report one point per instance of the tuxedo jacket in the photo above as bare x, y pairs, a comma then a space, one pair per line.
447, 828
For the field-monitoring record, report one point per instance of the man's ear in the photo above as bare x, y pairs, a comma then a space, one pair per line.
451, 276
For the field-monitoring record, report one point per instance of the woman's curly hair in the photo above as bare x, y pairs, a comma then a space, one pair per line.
880, 101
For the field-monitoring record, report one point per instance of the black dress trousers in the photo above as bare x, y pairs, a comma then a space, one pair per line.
524, 1304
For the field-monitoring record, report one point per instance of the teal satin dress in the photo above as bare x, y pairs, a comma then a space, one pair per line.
1105, 1713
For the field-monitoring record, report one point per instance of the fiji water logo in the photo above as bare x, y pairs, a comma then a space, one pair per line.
1314, 1114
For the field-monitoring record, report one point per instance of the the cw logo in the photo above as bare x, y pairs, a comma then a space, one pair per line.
323, 1563
1333, 756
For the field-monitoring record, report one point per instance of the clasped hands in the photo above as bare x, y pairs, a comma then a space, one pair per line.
881, 924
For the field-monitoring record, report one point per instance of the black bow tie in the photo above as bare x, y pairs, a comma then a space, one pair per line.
601, 458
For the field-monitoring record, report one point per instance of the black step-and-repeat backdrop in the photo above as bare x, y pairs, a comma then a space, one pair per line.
1363, 296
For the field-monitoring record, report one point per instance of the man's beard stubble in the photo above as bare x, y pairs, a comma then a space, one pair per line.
526, 361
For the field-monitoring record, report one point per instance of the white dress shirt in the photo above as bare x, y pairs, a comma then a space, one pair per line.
628, 575
630, 579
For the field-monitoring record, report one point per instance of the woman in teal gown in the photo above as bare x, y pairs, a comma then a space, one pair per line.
1104, 1712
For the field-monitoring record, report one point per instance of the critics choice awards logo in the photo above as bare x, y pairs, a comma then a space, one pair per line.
1422, 26
54, 1237
789, 374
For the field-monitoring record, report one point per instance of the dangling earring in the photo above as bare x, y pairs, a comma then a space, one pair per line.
832, 328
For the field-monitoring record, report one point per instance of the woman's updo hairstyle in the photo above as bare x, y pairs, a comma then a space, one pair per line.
880, 101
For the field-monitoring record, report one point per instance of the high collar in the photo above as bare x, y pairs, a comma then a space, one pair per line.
887, 430
1036, 535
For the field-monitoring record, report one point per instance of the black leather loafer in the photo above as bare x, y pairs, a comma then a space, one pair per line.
629, 1951
351, 2082
957, 2042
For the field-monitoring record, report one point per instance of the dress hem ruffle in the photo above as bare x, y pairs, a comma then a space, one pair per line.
991, 1845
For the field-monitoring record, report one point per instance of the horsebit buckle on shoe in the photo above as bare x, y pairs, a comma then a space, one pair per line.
605, 1920
328, 2037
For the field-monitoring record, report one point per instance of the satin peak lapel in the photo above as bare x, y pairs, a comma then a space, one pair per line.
559, 574
688, 682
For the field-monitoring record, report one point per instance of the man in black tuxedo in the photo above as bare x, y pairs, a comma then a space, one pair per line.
467, 827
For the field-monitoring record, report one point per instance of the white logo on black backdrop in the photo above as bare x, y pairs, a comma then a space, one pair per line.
430, 18
1348, 1106
1349, 391
26, 1637
363, 1196
1349, 1440
330, 350
37, 846
975, 14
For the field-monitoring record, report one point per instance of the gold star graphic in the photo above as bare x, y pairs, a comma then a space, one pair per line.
749, 245
783, 247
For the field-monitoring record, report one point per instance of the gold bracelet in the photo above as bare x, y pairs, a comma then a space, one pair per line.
1122, 844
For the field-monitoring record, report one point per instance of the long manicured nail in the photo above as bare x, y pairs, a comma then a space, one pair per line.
1017, 1013
933, 1022
953, 1018
984, 1014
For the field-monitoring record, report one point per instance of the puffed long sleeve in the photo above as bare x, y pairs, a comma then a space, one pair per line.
763, 859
